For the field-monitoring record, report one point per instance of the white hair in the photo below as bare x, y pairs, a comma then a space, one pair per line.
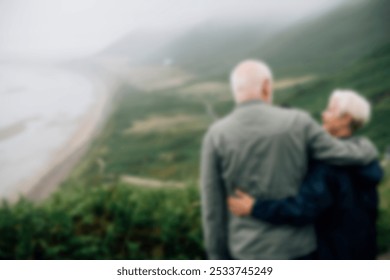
350, 102
248, 77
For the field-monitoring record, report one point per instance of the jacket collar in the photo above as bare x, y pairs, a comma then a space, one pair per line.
249, 103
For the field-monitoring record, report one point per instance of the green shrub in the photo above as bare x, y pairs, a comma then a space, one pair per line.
384, 214
119, 222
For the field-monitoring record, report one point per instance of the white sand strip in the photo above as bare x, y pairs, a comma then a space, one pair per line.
56, 171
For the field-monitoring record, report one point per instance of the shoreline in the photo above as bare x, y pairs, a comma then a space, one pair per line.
62, 162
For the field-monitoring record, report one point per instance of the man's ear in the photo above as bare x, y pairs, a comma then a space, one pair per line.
267, 91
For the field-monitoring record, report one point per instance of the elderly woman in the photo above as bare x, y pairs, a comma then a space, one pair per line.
341, 201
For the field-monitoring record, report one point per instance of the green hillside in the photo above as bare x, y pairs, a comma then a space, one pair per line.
332, 42
322, 45
213, 47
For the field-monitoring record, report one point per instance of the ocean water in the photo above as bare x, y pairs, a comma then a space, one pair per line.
40, 107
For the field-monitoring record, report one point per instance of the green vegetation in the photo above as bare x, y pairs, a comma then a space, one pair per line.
166, 148
384, 213
104, 222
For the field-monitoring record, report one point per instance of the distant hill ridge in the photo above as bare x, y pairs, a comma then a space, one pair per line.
321, 45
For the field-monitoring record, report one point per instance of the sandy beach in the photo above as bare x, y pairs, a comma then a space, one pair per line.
50, 176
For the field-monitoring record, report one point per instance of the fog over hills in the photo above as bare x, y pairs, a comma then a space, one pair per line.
327, 43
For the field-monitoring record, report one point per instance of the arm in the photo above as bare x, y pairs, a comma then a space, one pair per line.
323, 146
313, 198
213, 203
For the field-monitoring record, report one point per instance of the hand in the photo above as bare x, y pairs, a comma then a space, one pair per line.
241, 204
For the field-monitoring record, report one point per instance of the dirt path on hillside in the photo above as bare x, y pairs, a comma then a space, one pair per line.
149, 182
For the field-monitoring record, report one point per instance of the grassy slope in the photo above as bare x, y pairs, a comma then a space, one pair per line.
167, 154
332, 42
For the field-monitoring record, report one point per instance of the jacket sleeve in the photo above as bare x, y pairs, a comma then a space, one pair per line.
312, 199
323, 146
213, 196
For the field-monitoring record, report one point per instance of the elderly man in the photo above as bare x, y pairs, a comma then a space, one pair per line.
264, 149
342, 201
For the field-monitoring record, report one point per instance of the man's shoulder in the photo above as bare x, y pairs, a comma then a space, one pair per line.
220, 124
293, 118
302, 115
285, 115
291, 112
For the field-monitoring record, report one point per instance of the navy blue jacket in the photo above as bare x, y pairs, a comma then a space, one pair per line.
342, 202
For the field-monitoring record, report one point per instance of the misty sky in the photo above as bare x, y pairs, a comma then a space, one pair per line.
52, 28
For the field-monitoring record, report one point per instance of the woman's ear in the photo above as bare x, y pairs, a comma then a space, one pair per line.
349, 122
347, 119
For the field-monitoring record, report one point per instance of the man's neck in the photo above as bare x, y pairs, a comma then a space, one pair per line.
249, 99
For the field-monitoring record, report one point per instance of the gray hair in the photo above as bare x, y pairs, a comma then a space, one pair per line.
352, 103
249, 76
